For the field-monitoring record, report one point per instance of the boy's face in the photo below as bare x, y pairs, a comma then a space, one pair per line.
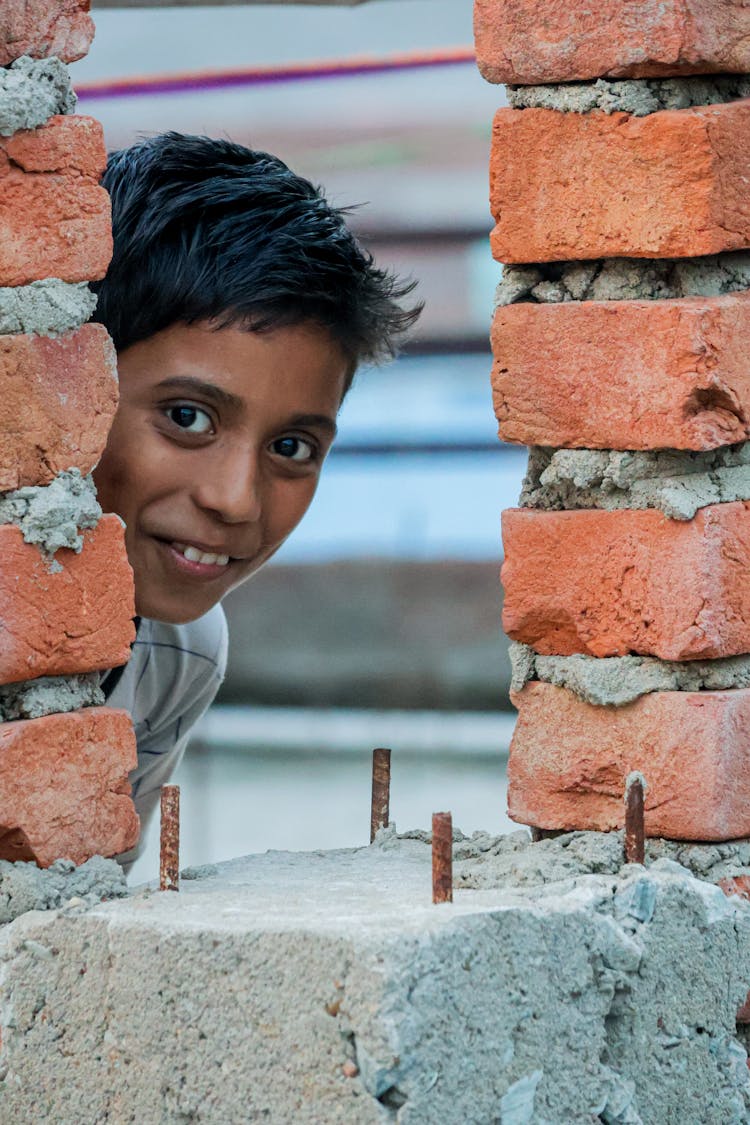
215, 454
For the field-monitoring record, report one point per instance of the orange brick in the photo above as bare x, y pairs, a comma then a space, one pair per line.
624, 374
64, 790
526, 42
589, 185
41, 28
57, 401
736, 885
74, 615
569, 761
54, 216
612, 583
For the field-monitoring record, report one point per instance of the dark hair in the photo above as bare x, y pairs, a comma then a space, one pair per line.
210, 230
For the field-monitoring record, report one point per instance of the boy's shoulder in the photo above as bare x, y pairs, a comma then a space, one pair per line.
205, 638
200, 645
172, 669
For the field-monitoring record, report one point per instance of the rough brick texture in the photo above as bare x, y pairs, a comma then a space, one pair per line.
736, 885
560, 41
611, 583
588, 185
54, 216
624, 374
569, 760
44, 27
57, 401
74, 615
64, 790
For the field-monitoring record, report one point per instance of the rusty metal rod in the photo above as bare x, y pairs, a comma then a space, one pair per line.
635, 832
169, 852
381, 790
442, 857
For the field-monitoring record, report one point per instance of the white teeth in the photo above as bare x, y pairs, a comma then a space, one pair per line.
192, 554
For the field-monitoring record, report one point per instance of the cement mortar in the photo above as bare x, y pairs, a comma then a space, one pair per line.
625, 279
614, 681
24, 886
637, 96
53, 515
327, 987
676, 482
485, 862
49, 695
32, 91
45, 308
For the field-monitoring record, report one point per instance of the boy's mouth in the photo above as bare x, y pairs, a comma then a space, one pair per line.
194, 555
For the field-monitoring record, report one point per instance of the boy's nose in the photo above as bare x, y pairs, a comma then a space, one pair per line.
230, 488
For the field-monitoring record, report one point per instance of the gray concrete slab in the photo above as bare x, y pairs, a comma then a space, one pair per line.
327, 988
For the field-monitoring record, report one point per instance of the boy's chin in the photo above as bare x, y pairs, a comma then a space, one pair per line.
171, 611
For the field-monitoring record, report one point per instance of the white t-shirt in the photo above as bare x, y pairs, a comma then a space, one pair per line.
171, 678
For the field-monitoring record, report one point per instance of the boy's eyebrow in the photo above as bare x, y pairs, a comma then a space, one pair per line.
321, 420
208, 390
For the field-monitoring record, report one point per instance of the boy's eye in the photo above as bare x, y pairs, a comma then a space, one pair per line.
294, 448
191, 419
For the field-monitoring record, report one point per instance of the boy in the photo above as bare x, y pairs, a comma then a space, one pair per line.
240, 307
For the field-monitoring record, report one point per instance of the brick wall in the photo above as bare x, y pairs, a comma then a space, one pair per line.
66, 589
619, 187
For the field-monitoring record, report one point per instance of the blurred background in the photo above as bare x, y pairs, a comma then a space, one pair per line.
379, 622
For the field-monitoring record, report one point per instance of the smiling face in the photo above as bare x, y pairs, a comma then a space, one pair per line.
215, 454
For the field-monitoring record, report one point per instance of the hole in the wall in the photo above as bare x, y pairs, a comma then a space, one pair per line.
14, 844
713, 400
393, 1098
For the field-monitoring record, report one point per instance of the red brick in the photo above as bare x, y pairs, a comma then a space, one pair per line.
588, 185
569, 761
561, 41
54, 216
611, 583
736, 885
57, 401
41, 28
64, 790
624, 374
74, 615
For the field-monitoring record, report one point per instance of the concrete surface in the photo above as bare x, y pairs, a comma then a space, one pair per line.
53, 515
613, 681
45, 308
62, 885
31, 91
31, 699
327, 988
677, 482
625, 279
637, 96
